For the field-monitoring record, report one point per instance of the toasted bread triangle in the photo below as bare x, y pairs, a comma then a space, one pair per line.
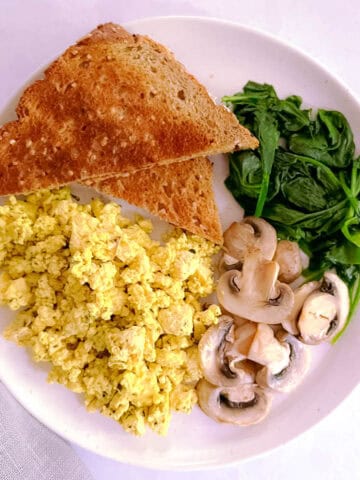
112, 103
180, 193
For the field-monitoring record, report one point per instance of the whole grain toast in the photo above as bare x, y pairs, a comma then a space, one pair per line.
180, 193
112, 103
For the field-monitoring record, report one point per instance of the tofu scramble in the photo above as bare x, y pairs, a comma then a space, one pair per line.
116, 313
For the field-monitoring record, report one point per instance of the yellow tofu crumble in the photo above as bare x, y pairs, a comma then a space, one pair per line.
117, 314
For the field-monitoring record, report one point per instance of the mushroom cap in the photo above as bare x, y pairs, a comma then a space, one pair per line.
290, 377
324, 311
227, 262
300, 295
221, 364
255, 293
288, 257
252, 235
241, 405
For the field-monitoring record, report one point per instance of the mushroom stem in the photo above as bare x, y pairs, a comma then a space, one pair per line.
255, 293
266, 349
300, 295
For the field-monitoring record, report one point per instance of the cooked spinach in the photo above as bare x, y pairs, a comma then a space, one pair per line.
304, 179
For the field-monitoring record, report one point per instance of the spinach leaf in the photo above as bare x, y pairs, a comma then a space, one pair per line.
321, 220
305, 193
290, 116
346, 254
332, 143
245, 174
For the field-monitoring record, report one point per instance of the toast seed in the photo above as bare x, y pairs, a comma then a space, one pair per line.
12, 142
181, 94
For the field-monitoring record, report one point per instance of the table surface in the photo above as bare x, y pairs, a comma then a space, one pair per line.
329, 31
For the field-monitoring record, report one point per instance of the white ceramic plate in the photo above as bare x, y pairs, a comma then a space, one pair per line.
223, 56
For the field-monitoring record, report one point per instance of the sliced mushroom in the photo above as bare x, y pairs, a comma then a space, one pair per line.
287, 255
324, 311
252, 235
288, 378
242, 405
222, 365
255, 293
300, 295
256, 341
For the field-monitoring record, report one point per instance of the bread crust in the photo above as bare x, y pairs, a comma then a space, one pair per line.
180, 193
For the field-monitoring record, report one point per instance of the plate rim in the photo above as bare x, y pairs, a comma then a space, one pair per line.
214, 464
